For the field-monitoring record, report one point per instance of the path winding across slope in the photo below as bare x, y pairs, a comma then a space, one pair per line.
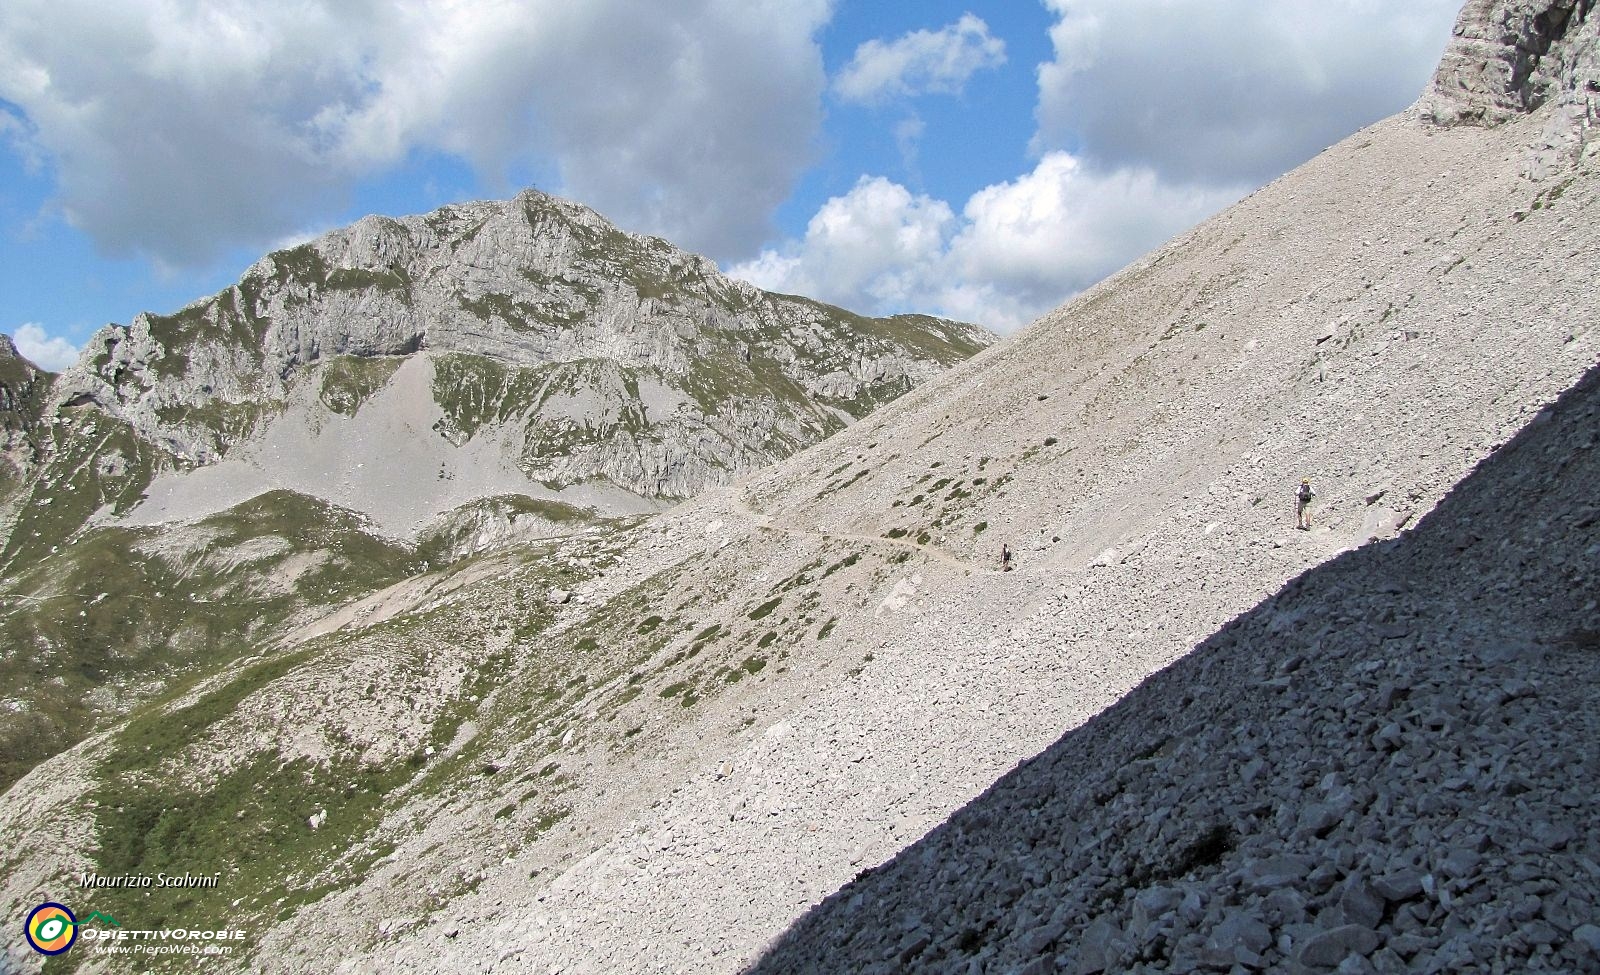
765, 521
1331, 542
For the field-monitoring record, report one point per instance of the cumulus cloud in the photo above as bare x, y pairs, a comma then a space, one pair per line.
177, 129
1226, 90
1028, 244
51, 352
1018, 248
1153, 115
920, 62
867, 249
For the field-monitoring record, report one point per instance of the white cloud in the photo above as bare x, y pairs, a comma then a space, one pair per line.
1226, 90
177, 129
1017, 250
1062, 227
51, 352
907, 134
1153, 115
867, 249
293, 239
920, 62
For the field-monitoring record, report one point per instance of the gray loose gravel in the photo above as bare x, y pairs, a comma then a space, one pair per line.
1390, 766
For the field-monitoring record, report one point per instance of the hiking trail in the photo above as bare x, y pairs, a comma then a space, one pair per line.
765, 521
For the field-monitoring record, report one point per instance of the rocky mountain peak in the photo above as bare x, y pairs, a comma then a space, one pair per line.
572, 351
15, 368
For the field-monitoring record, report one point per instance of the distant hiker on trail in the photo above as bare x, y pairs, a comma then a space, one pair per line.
1005, 558
1302, 497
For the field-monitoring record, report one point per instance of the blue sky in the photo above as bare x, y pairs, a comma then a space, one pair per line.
984, 160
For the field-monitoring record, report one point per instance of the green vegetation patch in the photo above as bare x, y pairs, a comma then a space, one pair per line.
474, 391
250, 826
349, 380
228, 422
843, 563
158, 733
515, 312
98, 462
302, 265
394, 279
228, 319
106, 610
765, 609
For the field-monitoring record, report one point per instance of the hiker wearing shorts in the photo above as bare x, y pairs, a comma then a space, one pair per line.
1302, 498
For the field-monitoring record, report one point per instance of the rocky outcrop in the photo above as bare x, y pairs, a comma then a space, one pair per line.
24, 388
1510, 58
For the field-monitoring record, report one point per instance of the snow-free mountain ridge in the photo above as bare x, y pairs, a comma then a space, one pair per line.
551, 345
389, 397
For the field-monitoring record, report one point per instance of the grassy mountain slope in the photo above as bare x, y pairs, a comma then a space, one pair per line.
388, 398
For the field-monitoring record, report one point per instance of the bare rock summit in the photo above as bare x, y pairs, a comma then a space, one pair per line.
547, 343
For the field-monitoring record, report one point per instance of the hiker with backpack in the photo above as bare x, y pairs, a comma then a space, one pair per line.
1302, 498
1005, 558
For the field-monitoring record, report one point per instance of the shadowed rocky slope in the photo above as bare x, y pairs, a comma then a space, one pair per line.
1387, 766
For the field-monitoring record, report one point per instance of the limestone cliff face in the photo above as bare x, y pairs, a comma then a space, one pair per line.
602, 354
23, 389
1509, 58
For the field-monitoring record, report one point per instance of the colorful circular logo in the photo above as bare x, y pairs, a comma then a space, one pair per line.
51, 929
